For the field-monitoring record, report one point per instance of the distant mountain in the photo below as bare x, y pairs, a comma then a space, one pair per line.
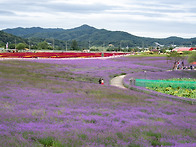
97, 37
82, 33
25, 32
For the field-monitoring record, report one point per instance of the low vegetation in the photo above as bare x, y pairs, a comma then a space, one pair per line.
178, 91
60, 103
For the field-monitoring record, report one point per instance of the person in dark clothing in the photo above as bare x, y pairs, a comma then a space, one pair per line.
182, 64
100, 81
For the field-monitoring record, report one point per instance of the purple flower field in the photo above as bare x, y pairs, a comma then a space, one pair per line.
60, 103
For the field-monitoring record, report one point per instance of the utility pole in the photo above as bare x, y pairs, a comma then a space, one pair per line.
66, 46
29, 45
120, 45
89, 44
53, 44
142, 44
15, 43
103, 45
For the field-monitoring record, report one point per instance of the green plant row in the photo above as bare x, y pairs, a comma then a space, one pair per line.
165, 84
181, 79
181, 92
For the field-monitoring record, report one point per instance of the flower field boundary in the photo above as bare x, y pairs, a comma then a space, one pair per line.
73, 58
148, 91
61, 55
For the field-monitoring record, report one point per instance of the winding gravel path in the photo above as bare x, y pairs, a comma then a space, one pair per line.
118, 81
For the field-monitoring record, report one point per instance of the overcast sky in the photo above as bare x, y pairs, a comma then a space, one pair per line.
146, 18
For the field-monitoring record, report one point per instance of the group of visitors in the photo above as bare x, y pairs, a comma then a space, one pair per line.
180, 65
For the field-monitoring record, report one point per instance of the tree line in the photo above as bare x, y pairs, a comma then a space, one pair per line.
44, 45
51, 44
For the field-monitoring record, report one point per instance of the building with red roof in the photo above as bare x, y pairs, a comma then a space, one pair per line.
181, 49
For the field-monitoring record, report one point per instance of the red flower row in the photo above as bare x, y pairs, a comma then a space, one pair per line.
56, 55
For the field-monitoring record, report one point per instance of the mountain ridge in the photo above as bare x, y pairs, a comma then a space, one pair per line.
86, 33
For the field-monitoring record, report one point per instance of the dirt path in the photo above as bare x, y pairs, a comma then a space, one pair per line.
118, 82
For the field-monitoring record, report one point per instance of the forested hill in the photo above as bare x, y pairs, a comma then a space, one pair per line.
6, 37
98, 37
82, 33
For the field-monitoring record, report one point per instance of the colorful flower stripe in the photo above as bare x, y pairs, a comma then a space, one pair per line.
56, 55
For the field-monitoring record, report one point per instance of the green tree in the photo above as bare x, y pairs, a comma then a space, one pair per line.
192, 57
20, 46
12, 46
34, 47
43, 45
74, 45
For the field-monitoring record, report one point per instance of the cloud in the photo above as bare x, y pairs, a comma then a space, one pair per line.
49, 6
152, 16
162, 6
78, 8
6, 13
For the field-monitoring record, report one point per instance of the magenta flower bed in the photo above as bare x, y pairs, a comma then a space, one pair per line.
60, 103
